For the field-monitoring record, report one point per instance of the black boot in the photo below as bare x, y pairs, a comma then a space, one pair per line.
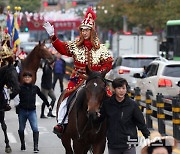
21, 136
50, 114
36, 139
42, 111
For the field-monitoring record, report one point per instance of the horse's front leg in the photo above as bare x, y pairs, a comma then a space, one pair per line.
67, 145
80, 148
98, 148
4, 128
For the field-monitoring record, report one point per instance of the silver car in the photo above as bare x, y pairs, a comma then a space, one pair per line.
126, 66
162, 76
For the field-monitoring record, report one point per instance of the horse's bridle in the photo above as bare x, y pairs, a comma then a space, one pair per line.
99, 128
103, 79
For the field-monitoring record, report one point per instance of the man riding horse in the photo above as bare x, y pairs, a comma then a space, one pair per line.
86, 51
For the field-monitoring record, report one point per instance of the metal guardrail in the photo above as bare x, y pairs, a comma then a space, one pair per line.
160, 111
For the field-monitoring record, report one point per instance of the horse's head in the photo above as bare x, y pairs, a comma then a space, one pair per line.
95, 92
9, 77
43, 51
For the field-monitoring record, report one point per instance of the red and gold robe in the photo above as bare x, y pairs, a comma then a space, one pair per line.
97, 60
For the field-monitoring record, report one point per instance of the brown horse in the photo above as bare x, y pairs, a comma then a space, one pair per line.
32, 62
83, 128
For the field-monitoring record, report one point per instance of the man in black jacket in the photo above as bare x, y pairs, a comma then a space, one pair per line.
27, 109
123, 116
46, 87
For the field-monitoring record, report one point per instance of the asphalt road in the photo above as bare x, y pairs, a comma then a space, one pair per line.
49, 143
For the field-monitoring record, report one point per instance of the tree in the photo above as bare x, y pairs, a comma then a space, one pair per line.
110, 15
152, 13
26, 5
2, 5
146, 14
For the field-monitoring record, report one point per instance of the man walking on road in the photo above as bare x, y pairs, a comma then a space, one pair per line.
59, 71
46, 88
123, 116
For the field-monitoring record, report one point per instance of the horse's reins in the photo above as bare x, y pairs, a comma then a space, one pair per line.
80, 134
99, 128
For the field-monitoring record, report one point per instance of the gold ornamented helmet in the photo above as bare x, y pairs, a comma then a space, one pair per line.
5, 50
89, 19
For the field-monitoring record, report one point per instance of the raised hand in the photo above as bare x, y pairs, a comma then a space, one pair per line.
49, 28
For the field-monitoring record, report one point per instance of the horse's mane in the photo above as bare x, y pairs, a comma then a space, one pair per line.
29, 58
93, 75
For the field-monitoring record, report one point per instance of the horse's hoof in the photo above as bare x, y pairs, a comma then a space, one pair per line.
8, 149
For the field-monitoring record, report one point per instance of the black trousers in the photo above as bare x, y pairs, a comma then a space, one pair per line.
59, 77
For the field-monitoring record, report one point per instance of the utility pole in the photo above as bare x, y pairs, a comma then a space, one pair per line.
124, 24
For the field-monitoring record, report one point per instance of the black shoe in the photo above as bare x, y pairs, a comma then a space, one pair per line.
36, 139
36, 150
43, 116
51, 115
23, 147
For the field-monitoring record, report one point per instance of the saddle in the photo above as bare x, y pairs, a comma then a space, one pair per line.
71, 101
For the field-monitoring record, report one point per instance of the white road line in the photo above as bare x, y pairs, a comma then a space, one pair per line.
25, 132
11, 137
38, 103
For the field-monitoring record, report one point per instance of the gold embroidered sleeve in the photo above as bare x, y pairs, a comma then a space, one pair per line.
71, 47
105, 54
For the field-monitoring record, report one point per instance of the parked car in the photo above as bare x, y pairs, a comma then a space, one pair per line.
162, 76
127, 65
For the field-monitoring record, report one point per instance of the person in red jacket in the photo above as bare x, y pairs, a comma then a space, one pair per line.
22, 54
86, 51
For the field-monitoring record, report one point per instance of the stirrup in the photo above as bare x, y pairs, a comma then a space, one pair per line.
57, 132
58, 129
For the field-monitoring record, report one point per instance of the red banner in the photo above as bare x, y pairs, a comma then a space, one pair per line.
58, 25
